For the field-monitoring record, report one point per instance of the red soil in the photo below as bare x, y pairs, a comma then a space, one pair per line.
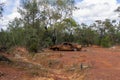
104, 64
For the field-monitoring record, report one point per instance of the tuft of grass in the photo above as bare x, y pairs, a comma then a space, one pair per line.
53, 63
77, 67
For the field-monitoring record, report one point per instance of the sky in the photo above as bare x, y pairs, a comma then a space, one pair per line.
90, 10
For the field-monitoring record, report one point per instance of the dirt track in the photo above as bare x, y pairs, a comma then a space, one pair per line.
104, 62
104, 65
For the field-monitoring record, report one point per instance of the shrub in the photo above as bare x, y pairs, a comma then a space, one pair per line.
106, 42
32, 44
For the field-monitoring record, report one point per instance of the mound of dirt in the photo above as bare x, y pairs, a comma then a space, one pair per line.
18, 51
21, 50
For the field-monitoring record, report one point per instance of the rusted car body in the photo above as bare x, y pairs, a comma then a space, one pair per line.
66, 46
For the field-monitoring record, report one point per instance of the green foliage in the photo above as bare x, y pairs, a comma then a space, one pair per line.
1, 9
118, 10
32, 44
70, 21
106, 42
85, 35
41, 26
117, 38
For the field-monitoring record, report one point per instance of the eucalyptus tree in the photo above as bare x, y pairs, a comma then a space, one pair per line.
42, 22
31, 18
58, 13
16, 32
107, 32
1, 9
2, 34
118, 10
86, 35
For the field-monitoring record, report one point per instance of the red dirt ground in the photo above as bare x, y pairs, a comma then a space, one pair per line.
9, 73
104, 64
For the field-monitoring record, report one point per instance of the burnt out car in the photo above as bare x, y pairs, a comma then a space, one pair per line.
66, 46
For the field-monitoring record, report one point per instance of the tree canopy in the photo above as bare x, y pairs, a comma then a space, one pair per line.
44, 23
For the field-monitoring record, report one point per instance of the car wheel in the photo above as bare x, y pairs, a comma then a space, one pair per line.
74, 49
56, 49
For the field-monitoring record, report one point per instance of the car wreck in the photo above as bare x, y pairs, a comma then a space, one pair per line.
66, 46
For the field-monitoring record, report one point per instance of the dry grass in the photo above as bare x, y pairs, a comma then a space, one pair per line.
47, 65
